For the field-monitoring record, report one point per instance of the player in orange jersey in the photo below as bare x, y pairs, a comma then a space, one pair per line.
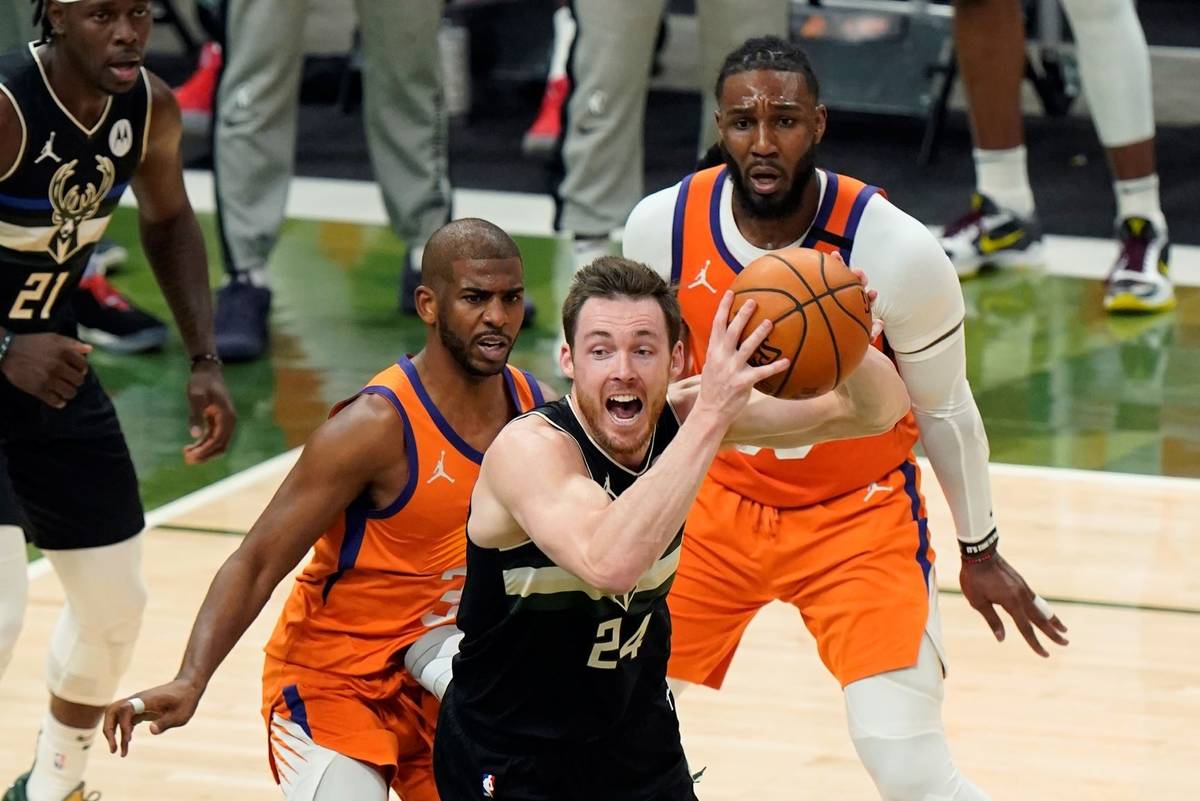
381, 492
838, 529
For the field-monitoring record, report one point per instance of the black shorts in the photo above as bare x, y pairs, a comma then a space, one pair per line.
65, 474
617, 767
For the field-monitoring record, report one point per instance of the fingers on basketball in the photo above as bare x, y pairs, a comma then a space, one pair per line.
820, 315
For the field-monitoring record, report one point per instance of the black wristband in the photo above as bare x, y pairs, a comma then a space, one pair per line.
981, 551
199, 358
5, 344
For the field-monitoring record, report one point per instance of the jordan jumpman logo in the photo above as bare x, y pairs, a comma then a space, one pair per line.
440, 470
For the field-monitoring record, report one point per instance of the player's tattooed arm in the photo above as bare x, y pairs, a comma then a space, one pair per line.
360, 449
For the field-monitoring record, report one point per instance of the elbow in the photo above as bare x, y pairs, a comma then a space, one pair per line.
615, 581
611, 576
885, 417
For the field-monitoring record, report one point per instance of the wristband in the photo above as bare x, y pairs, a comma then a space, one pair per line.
206, 357
5, 344
982, 551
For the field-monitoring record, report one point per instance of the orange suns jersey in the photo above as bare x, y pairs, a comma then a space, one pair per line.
381, 577
776, 477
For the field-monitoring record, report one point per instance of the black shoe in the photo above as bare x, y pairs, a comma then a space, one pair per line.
240, 321
109, 321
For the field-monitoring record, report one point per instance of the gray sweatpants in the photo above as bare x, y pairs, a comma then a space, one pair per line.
614, 46
257, 104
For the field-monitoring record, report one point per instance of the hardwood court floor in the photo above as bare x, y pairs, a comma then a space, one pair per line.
1111, 718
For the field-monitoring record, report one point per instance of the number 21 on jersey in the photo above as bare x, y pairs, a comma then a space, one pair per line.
33, 299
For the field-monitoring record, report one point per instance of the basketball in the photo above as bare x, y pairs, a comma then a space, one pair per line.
821, 319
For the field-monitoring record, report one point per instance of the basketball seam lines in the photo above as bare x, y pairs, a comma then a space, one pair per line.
837, 356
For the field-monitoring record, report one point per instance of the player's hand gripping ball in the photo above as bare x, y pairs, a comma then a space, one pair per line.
820, 315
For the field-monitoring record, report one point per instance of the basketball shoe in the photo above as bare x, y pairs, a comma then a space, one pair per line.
990, 235
108, 320
240, 325
17, 791
195, 96
1138, 280
541, 140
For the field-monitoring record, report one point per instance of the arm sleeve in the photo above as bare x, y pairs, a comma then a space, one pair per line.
648, 230
952, 432
920, 300
921, 305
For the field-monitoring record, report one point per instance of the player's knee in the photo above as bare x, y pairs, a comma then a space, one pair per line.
91, 648
14, 584
895, 722
913, 768
430, 659
349, 778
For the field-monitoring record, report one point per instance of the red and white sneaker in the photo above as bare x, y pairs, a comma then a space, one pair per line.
196, 94
541, 140
108, 320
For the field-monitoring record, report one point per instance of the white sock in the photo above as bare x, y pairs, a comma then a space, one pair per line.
62, 753
564, 36
1003, 176
1138, 197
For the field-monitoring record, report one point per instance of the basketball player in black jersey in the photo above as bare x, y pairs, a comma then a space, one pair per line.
559, 689
80, 120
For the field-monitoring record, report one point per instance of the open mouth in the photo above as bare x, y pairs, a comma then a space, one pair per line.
624, 409
126, 69
765, 180
494, 347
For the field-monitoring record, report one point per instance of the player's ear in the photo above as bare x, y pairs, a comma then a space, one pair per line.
822, 118
425, 300
56, 13
566, 362
678, 360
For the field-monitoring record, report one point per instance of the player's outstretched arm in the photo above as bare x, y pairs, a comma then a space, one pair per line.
534, 484
870, 401
345, 456
175, 248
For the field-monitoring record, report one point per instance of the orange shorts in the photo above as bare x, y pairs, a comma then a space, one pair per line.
858, 567
386, 720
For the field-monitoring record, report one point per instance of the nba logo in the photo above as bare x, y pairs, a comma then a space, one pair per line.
60, 760
489, 786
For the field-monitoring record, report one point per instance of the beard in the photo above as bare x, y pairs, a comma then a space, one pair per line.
629, 449
460, 351
773, 207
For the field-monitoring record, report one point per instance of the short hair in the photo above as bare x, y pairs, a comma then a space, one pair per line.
467, 238
613, 277
768, 53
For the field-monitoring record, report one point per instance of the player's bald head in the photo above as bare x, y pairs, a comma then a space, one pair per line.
469, 239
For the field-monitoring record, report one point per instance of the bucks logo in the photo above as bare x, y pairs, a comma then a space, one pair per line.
74, 205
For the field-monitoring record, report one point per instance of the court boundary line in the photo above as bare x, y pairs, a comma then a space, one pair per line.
193, 500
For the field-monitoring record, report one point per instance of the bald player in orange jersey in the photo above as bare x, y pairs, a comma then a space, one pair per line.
381, 493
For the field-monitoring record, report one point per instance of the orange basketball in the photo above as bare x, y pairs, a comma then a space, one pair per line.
821, 317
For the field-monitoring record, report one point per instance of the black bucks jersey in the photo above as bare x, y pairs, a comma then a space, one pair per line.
57, 199
545, 656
